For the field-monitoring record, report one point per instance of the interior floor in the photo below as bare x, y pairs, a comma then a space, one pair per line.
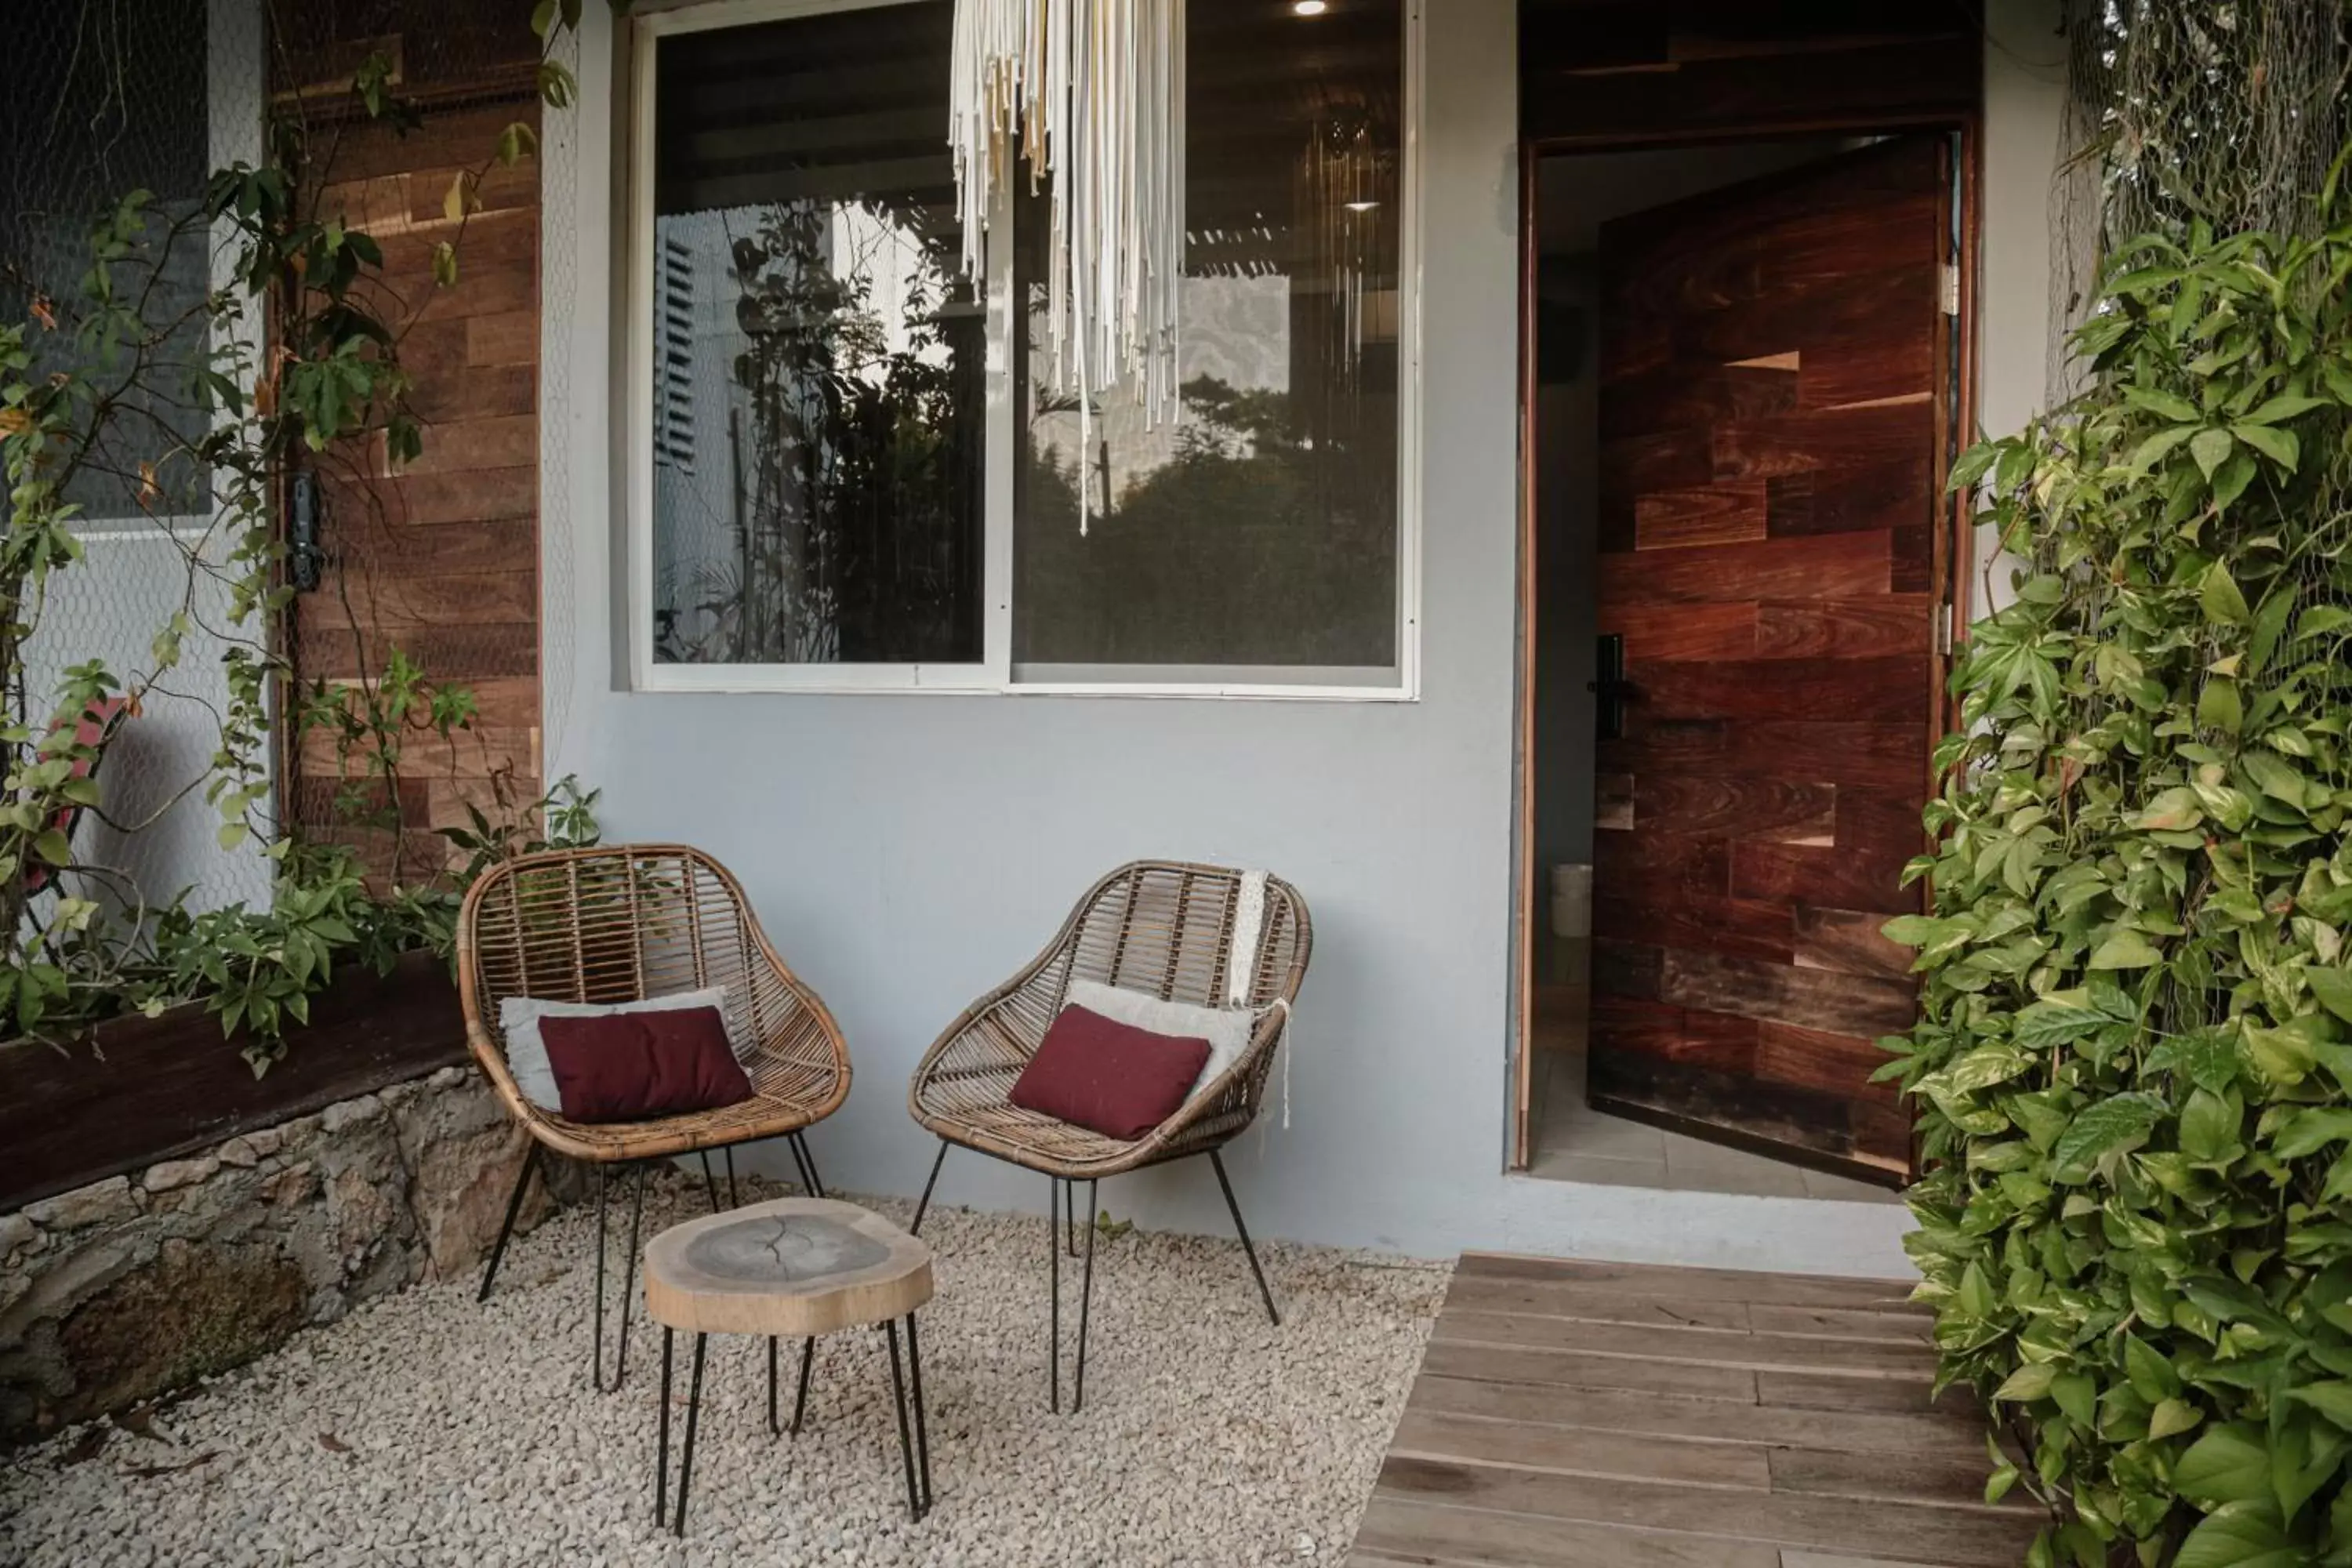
1574, 1142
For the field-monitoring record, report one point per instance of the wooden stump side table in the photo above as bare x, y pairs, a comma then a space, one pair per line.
793, 1268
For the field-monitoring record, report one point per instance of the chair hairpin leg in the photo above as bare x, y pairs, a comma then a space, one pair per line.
1053, 1277
709, 1183
730, 1152
596, 1317
799, 1166
1217, 1160
808, 1157
1087, 1290
923, 1207
514, 1210
629, 1285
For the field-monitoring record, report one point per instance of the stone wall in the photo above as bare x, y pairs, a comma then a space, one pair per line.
120, 1290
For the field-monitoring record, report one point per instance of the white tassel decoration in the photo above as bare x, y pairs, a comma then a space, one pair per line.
1093, 93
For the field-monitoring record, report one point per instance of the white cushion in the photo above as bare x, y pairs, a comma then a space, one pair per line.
518, 1016
1228, 1030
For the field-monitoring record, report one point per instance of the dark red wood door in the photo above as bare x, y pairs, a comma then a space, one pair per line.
1772, 356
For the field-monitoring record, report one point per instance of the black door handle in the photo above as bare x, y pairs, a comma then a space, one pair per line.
1609, 686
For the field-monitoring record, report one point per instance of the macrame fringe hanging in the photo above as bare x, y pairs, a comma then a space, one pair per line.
1093, 93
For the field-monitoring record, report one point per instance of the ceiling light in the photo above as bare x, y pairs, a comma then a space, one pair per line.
1361, 206
1310, 7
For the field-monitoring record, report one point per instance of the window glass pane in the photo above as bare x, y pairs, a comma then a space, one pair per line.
1261, 530
818, 401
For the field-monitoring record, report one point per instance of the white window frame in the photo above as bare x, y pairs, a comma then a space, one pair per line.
995, 674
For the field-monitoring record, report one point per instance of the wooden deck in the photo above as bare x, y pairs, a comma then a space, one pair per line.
1611, 1415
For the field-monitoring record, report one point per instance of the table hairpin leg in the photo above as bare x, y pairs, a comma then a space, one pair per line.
693, 1418
661, 1448
922, 1422
800, 1400
916, 1500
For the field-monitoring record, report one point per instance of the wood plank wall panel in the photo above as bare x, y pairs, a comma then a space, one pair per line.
1618, 72
1585, 1414
1768, 367
439, 559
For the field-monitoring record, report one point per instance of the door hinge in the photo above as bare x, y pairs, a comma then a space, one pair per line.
1943, 631
1951, 287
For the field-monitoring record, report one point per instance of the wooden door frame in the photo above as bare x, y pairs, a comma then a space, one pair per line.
1955, 540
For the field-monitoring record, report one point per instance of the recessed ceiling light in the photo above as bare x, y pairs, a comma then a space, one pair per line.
1310, 7
1361, 206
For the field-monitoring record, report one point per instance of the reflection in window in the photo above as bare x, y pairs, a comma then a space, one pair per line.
816, 377
1262, 529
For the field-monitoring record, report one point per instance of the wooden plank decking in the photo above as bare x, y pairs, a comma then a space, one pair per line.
1611, 1416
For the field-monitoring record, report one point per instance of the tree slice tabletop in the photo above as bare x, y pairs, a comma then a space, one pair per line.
791, 1268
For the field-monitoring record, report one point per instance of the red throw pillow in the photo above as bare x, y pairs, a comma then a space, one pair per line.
1107, 1077
634, 1066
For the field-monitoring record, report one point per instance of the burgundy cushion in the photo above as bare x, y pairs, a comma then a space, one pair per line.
633, 1067
1107, 1077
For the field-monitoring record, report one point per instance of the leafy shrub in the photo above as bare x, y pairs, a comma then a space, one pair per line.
2133, 1062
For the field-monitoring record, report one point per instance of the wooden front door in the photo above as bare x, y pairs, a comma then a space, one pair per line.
1773, 391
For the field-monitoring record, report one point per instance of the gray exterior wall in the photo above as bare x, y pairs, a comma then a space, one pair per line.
907, 852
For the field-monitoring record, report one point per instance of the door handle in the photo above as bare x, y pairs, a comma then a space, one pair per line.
1609, 687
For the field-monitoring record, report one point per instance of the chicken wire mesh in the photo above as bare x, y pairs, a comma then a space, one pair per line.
2225, 110
437, 566
97, 100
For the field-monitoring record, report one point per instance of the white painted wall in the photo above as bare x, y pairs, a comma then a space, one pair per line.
907, 852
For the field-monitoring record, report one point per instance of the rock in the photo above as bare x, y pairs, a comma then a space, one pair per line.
264, 1141
16, 1231
96, 1203
348, 1114
240, 1153
175, 1174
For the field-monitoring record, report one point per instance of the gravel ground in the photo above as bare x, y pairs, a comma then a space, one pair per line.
427, 1430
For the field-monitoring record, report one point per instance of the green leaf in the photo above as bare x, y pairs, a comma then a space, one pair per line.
2167, 405
2209, 1129
2126, 949
2028, 1382
2332, 1398
2279, 446
2114, 1126
2309, 1130
2209, 446
2332, 987
2160, 445
2241, 1536
2219, 706
2047, 1024
2219, 593
2229, 1464
2171, 1417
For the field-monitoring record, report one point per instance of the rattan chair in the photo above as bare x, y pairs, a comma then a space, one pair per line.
1161, 927
623, 923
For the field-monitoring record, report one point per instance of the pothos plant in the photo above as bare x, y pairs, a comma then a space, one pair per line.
296, 362
2133, 1061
